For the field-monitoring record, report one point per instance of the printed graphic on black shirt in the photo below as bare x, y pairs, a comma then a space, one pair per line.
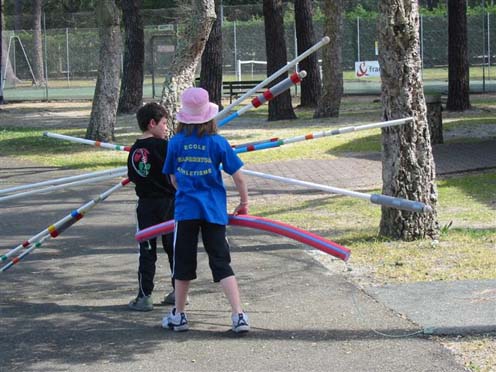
140, 162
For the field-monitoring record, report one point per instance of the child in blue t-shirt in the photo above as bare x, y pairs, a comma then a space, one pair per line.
194, 159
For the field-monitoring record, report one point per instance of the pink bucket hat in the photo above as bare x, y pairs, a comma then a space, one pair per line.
196, 107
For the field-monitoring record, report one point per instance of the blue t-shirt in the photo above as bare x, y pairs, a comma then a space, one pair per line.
196, 163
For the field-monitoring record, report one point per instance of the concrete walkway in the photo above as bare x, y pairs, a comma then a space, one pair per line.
64, 307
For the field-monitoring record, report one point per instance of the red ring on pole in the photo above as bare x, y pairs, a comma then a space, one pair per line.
295, 78
256, 102
268, 95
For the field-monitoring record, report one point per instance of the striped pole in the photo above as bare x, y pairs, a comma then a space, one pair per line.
58, 227
270, 144
325, 40
266, 96
63, 186
384, 200
116, 171
105, 145
29, 249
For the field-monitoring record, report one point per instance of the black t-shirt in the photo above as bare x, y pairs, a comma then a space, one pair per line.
144, 169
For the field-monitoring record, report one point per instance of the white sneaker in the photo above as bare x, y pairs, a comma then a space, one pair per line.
176, 322
240, 323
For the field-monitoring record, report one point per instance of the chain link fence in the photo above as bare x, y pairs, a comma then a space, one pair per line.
70, 54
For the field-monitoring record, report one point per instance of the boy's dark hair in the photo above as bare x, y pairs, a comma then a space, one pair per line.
210, 127
151, 110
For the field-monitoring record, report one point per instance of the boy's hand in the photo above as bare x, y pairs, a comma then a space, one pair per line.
242, 208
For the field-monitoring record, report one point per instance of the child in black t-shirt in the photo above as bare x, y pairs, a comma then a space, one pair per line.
155, 197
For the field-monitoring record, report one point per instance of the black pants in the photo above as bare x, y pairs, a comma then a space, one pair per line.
152, 212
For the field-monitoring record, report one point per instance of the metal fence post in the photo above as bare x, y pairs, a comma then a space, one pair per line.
67, 55
46, 56
358, 39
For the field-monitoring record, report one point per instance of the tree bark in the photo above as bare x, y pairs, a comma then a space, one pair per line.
131, 93
192, 38
211, 61
305, 36
408, 169
458, 66
38, 64
104, 108
280, 108
332, 67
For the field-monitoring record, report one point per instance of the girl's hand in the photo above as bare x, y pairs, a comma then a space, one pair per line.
242, 208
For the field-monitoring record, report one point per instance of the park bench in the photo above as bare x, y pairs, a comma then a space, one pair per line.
237, 88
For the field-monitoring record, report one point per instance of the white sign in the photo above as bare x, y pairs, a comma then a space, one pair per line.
367, 69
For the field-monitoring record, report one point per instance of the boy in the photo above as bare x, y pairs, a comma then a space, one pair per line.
193, 161
155, 197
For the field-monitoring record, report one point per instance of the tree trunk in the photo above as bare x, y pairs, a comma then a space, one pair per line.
280, 108
131, 93
305, 37
104, 109
200, 15
408, 169
211, 61
458, 66
332, 67
37, 44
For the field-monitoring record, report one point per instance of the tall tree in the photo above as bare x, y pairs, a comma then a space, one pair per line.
211, 61
305, 38
131, 93
332, 66
458, 66
197, 19
104, 108
408, 169
280, 108
38, 64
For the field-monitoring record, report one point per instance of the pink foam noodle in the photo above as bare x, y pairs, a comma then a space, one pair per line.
265, 224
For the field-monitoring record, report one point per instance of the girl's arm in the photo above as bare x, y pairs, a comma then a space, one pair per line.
173, 180
242, 188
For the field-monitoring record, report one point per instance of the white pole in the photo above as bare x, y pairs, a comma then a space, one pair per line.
46, 56
67, 55
488, 47
384, 200
116, 171
86, 141
62, 186
422, 45
325, 40
358, 39
236, 72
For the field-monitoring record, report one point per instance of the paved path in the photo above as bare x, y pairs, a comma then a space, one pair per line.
63, 308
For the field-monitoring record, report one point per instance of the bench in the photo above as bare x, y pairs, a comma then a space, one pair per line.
238, 88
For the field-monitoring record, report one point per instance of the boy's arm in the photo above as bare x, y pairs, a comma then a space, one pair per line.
242, 188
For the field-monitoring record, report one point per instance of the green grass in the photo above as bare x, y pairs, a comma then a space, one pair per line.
466, 248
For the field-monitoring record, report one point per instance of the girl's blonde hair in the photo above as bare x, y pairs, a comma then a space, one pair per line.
210, 127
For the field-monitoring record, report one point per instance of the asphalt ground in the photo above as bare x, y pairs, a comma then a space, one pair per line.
63, 308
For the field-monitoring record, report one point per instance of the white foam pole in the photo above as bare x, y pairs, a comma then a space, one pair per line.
62, 186
105, 145
325, 40
59, 181
387, 201
61, 225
